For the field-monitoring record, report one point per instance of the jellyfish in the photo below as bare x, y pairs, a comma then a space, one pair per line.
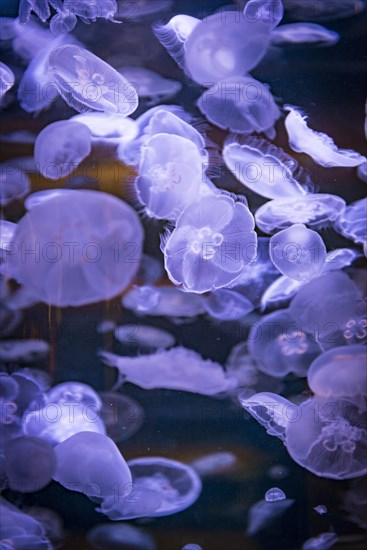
298, 252
40, 7
14, 351
214, 463
60, 147
166, 301
7, 80
264, 168
264, 512
106, 326
86, 10
340, 372
103, 126
50, 521
274, 495
280, 347
316, 211
178, 368
280, 292
14, 183
144, 336
213, 240
192, 546
79, 248
30, 464
324, 305
362, 171
304, 33
227, 305
122, 415
323, 541
140, 9
161, 487
20, 530
174, 34
92, 464
240, 104
323, 10
86, 82
320, 509
150, 270
75, 392
352, 224
320, 147
107, 536
63, 21
150, 85
7, 230
41, 197
170, 174
41, 378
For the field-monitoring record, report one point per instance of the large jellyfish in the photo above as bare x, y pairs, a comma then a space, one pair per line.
315, 211
263, 168
79, 248
320, 147
240, 104
298, 252
61, 147
86, 82
178, 368
304, 33
14, 183
7, 80
280, 347
212, 242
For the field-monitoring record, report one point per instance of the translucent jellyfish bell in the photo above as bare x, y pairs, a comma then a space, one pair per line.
166, 301
104, 126
174, 34
323, 541
264, 512
86, 248
298, 252
304, 33
86, 82
7, 80
75, 392
227, 305
263, 168
274, 495
40, 197
352, 224
212, 242
240, 104
107, 536
14, 183
13, 351
324, 10
61, 147
20, 530
214, 463
328, 438
320, 147
151, 85
271, 410
144, 336
280, 292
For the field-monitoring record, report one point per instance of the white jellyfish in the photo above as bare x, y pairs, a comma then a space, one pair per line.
29, 350
41, 197
150, 85
20, 530
227, 305
174, 34
323, 541
143, 336
7, 80
352, 224
304, 33
166, 301
14, 183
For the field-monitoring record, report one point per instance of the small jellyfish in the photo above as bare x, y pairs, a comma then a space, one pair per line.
280, 347
166, 301
322, 10
106, 326
14, 183
174, 34
14, 351
340, 372
304, 33
150, 85
280, 292
178, 368
264, 168
227, 305
274, 495
7, 80
122, 415
320, 147
352, 224
263, 513
271, 410
63, 21
324, 541
86, 247
101, 469
320, 509
210, 244
214, 463
140, 9
316, 211
86, 82
192, 546
61, 147
143, 336
298, 252
107, 536
30, 464
240, 104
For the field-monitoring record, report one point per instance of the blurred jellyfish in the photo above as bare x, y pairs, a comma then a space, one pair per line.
150, 85
150, 270
320, 509
87, 248
75, 392
40, 197
87, 10
324, 541
14, 183
40, 7
355, 502
107, 536
227, 305
191, 546
316, 211
240, 104
340, 372
278, 471
209, 246
323, 10
280, 347
122, 415
178, 368
92, 464
320, 147
263, 513
30, 464
304, 33
352, 224
264, 168
21, 299
7, 80
20, 531
272, 411
86, 82
144, 336
13, 351
39, 377
106, 326
323, 306
140, 9
362, 171
241, 366
61, 147
161, 487
274, 495
7, 230
280, 292
298, 252
166, 301
174, 34
328, 438
225, 45
50, 521
214, 463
